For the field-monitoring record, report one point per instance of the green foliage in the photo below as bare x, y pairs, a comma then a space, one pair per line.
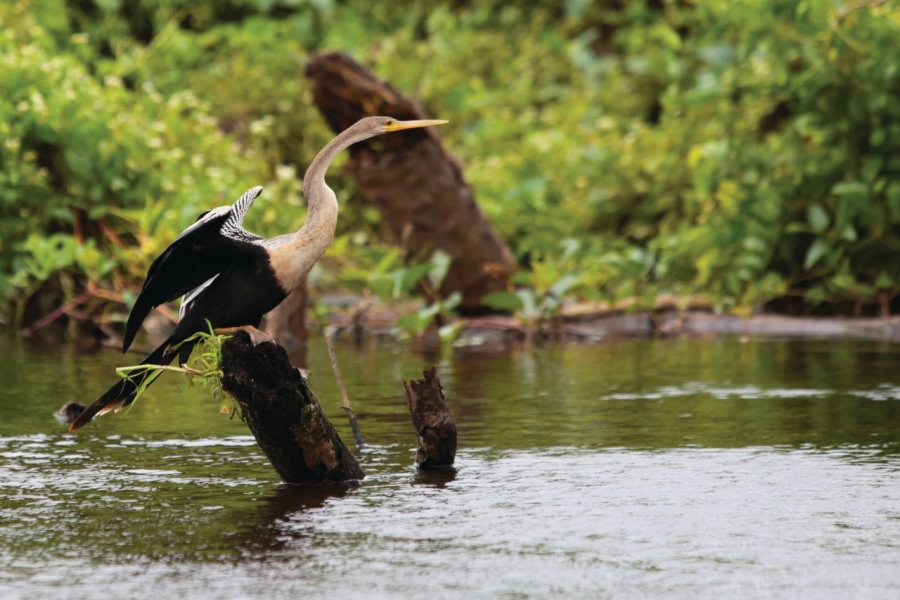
684, 147
391, 280
417, 322
205, 363
83, 158
549, 282
743, 151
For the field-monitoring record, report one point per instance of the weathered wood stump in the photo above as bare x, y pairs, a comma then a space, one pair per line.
287, 323
435, 429
414, 183
283, 414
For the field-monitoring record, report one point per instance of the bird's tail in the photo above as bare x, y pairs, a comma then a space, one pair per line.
123, 392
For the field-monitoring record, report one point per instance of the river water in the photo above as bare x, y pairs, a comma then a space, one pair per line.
631, 469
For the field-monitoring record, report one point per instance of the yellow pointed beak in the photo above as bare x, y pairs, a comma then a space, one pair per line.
401, 125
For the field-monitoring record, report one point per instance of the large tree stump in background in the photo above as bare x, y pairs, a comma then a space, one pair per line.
287, 323
283, 414
417, 187
435, 429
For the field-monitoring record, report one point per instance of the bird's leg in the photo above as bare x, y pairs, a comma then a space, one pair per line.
257, 337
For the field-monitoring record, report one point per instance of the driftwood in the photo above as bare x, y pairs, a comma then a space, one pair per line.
417, 187
435, 430
283, 414
69, 412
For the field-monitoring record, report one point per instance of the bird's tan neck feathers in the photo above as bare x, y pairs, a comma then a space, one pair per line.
293, 255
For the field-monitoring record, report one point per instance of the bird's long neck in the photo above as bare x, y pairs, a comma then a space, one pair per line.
292, 255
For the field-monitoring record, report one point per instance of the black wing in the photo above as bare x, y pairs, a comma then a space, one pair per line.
214, 241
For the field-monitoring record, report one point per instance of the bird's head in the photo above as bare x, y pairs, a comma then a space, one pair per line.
372, 126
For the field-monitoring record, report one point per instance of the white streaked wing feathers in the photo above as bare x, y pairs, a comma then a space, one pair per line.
231, 228
189, 298
211, 214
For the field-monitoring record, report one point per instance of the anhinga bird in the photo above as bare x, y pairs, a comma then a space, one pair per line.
229, 276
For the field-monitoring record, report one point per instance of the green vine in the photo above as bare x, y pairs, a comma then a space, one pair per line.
205, 364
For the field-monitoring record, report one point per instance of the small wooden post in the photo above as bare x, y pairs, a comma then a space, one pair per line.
283, 414
435, 429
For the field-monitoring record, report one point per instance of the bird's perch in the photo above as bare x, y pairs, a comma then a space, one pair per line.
417, 187
283, 414
435, 430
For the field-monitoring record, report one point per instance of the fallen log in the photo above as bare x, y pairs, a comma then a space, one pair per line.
283, 414
435, 429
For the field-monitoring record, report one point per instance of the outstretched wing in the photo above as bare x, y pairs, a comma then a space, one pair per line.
214, 241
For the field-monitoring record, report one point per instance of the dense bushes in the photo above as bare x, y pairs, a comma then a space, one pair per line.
90, 166
743, 151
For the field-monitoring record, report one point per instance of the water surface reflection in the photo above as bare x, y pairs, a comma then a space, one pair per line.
629, 469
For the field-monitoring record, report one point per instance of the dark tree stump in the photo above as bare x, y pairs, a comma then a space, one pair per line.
417, 187
283, 414
287, 323
435, 430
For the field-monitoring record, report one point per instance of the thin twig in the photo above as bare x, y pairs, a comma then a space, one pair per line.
345, 401
167, 312
110, 233
56, 313
100, 292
